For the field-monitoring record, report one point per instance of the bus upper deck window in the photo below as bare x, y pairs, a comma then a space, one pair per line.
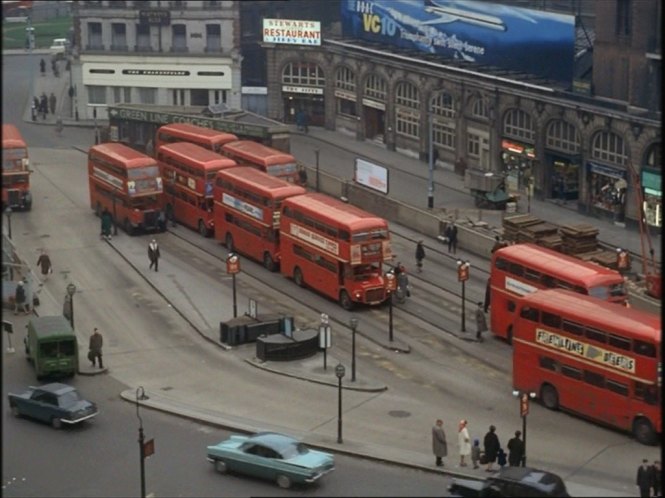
501, 264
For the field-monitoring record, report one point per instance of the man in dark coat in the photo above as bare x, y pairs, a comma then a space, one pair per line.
45, 263
153, 254
657, 474
96, 343
420, 255
481, 322
491, 443
439, 444
645, 478
19, 299
107, 223
515, 450
451, 235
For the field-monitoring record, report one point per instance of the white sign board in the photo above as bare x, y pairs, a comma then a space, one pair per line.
371, 175
292, 32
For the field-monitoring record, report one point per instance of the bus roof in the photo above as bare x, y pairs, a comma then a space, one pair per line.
561, 265
122, 154
51, 326
332, 210
261, 182
598, 313
186, 151
254, 151
189, 131
11, 137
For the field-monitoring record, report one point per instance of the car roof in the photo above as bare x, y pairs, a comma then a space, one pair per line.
273, 440
536, 478
57, 388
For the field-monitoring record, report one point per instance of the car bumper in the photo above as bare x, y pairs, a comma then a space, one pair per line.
80, 419
319, 476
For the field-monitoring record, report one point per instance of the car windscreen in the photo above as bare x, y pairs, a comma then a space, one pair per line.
69, 399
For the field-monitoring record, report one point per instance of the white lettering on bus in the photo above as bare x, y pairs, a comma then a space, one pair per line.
315, 239
519, 287
243, 207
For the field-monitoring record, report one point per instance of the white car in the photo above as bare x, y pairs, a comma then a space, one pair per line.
59, 47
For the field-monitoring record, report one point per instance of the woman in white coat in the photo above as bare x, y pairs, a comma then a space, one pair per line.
464, 442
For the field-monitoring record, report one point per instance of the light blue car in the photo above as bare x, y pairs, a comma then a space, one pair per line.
271, 456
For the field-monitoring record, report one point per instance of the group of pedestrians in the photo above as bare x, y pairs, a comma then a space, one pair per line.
42, 105
490, 452
649, 479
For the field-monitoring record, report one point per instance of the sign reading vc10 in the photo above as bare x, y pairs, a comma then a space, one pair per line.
519, 39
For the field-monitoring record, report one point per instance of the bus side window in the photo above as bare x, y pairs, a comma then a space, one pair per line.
516, 269
501, 264
548, 363
596, 335
547, 281
531, 314
619, 342
646, 393
532, 275
551, 320
594, 379
572, 327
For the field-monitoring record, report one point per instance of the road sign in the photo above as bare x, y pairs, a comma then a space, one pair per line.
524, 405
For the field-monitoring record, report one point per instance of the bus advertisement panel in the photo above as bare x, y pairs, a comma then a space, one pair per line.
591, 357
126, 183
247, 212
15, 170
269, 160
335, 248
520, 269
184, 132
189, 175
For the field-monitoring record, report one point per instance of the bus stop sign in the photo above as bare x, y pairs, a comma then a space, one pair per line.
524, 405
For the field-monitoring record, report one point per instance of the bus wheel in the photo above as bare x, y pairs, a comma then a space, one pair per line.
345, 300
127, 226
268, 262
229, 241
297, 277
643, 431
202, 228
550, 397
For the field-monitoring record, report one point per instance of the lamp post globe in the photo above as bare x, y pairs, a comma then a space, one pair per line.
340, 371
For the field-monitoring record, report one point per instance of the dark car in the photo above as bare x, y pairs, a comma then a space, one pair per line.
53, 403
512, 481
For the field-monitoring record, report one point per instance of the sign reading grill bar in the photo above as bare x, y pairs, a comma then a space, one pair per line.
161, 17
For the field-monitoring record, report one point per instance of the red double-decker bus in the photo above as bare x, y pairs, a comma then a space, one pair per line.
590, 357
523, 268
15, 170
189, 175
127, 184
269, 160
184, 132
334, 248
247, 212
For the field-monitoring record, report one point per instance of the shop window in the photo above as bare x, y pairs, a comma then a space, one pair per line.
563, 136
376, 87
518, 124
303, 73
345, 79
346, 107
609, 147
407, 123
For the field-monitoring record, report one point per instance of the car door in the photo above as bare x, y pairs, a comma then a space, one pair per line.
262, 459
49, 407
35, 406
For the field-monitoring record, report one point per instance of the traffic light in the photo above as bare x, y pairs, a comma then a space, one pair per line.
463, 271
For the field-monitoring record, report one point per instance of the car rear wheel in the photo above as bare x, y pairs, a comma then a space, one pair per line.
56, 423
283, 481
220, 466
15, 411
550, 397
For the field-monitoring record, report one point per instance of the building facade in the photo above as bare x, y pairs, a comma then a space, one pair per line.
183, 53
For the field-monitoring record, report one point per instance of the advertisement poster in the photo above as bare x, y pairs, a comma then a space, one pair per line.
525, 40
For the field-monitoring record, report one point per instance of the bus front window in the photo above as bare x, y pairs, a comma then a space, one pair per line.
365, 272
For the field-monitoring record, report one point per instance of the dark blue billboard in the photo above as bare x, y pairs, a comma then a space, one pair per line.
531, 41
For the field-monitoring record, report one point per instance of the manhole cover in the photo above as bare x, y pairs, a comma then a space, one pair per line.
399, 413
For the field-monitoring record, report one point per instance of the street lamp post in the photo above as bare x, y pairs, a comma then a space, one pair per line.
71, 289
339, 372
316, 153
463, 276
8, 212
145, 448
430, 182
524, 411
233, 267
354, 325
391, 286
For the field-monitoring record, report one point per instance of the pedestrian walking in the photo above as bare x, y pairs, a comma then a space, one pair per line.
20, 299
657, 475
44, 261
43, 105
491, 444
51, 102
481, 322
42, 67
463, 441
95, 352
645, 478
420, 255
515, 450
153, 254
451, 237
107, 223
439, 444
475, 453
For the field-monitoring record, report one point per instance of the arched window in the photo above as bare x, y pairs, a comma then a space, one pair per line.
345, 79
407, 117
345, 96
443, 104
609, 147
376, 87
518, 124
303, 73
443, 121
654, 156
563, 136
479, 109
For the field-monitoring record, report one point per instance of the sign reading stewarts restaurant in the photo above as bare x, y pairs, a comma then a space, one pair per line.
292, 32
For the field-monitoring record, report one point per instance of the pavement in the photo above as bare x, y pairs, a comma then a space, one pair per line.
203, 315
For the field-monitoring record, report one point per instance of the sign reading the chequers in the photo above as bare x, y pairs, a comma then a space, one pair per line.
292, 32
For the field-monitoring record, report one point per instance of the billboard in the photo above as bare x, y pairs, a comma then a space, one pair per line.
531, 41
292, 32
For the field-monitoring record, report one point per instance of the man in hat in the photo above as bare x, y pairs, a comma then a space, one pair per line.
19, 299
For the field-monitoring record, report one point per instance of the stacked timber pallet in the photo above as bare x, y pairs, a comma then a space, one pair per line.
578, 239
527, 228
513, 225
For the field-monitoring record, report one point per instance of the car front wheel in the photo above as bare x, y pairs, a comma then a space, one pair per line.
220, 466
283, 481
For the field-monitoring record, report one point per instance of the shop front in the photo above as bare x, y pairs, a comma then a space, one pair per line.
519, 164
607, 187
375, 126
651, 183
564, 176
306, 99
